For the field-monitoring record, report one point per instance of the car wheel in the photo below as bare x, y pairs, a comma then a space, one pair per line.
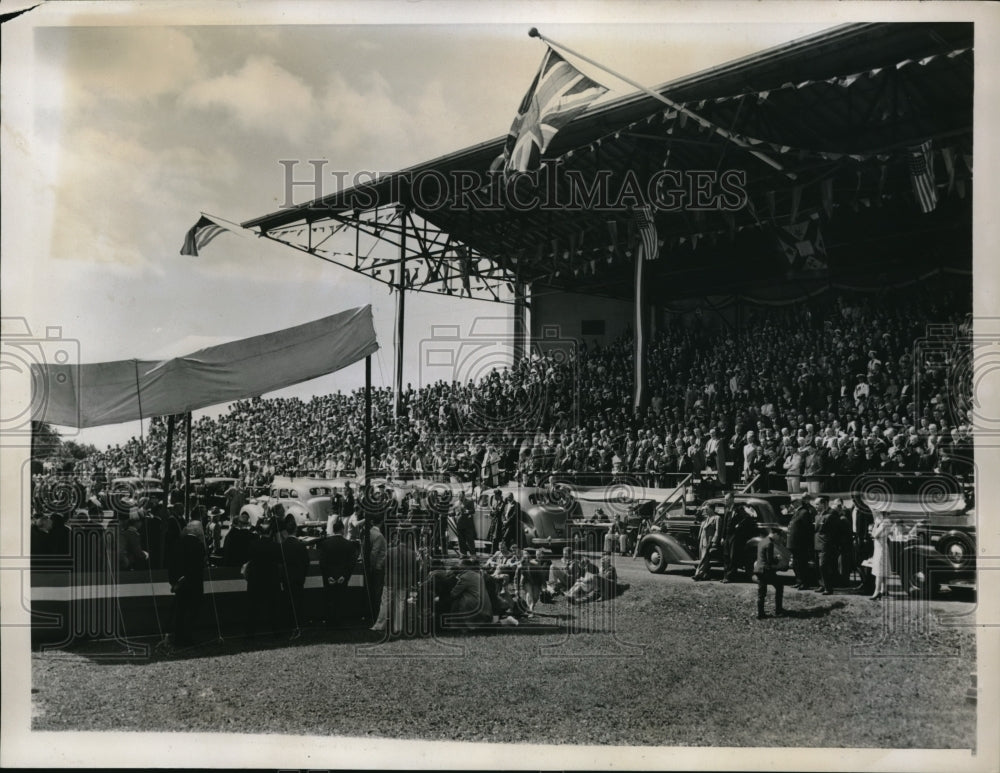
917, 579
956, 551
656, 560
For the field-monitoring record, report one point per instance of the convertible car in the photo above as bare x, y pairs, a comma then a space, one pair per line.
937, 544
674, 538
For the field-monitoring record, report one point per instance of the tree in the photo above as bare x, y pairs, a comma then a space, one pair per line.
45, 441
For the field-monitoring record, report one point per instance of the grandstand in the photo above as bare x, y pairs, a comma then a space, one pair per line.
797, 316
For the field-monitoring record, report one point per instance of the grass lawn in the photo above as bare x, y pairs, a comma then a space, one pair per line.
671, 662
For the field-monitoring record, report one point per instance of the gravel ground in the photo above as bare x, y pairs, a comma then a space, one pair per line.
671, 662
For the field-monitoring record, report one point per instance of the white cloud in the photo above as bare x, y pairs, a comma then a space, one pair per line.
123, 207
261, 95
373, 127
126, 63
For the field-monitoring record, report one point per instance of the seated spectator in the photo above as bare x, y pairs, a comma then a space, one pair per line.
609, 586
563, 575
470, 599
530, 579
587, 587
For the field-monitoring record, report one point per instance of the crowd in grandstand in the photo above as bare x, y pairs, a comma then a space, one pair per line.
793, 398
826, 387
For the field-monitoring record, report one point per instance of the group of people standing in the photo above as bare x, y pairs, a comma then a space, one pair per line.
827, 545
832, 539
727, 528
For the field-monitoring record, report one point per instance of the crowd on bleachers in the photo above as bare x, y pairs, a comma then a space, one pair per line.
830, 386
801, 397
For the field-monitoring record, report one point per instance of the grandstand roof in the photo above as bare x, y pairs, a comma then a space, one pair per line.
840, 113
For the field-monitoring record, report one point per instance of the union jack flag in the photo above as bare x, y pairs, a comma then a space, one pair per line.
557, 95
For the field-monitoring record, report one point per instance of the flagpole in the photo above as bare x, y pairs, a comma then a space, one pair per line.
534, 33
639, 338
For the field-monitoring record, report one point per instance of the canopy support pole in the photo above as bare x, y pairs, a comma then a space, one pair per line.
639, 335
368, 418
168, 456
365, 497
187, 471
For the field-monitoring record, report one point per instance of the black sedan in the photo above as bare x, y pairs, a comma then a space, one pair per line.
674, 539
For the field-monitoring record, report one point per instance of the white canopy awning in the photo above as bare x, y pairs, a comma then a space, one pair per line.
127, 390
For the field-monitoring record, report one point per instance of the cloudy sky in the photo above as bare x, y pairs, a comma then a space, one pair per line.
129, 131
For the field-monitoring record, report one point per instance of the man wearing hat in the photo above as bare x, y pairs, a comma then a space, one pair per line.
708, 535
263, 574
236, 547
826, 546
496, 520
295, 567
511, 522
769, 561
800, 541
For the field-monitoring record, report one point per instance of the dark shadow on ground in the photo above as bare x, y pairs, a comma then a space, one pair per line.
152, 649
813, 612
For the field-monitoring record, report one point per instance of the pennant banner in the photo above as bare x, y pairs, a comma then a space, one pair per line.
803, 246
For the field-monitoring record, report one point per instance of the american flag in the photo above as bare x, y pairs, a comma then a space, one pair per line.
205, 230
557, 95
649, 241
199, 235
922, 175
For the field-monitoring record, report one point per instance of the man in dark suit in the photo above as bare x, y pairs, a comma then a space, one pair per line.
844, 541
826, 545
187, 581
402, 569
801, 541
151, 530
236, 547
347, 506
737, 527
511, 520
263, 575
465, 525
496, 521
337, 559
295, 567
862, 521
766, 569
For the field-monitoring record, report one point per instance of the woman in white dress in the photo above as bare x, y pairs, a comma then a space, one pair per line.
880, 555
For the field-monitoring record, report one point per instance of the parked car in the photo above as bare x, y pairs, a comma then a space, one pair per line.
307, 499
122, 494
674, 538
213, 491
941, 550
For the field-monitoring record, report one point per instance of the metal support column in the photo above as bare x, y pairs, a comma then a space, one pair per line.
400, 317
520, 322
